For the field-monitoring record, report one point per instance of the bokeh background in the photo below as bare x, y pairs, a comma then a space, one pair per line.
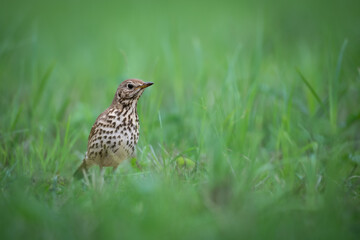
251, 129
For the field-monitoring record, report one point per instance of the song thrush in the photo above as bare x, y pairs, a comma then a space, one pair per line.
115, 133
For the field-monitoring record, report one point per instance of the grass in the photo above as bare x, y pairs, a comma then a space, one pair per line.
261, 96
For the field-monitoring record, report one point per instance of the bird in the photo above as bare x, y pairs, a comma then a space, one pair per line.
115, 133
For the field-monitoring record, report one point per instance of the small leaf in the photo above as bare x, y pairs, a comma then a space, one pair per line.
187, 163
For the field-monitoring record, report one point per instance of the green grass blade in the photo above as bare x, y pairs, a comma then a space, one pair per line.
334, 88
308, 85
41, 87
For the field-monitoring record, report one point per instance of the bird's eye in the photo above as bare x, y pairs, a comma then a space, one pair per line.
130, 86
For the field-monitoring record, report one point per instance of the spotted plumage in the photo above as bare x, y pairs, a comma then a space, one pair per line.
115, 133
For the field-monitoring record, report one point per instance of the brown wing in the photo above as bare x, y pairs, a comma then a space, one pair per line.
96, 124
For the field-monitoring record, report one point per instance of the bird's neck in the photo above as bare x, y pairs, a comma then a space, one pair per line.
126, 105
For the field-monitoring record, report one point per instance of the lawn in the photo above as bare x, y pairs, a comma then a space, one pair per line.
250, 131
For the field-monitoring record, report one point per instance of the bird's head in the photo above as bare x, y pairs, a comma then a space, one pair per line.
129, 91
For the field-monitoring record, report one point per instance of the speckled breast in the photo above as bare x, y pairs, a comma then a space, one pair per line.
115, 137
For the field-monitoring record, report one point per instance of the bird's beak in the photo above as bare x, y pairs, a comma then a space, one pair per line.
145, 85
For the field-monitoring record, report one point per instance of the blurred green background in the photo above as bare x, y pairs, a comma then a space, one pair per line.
251, 130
